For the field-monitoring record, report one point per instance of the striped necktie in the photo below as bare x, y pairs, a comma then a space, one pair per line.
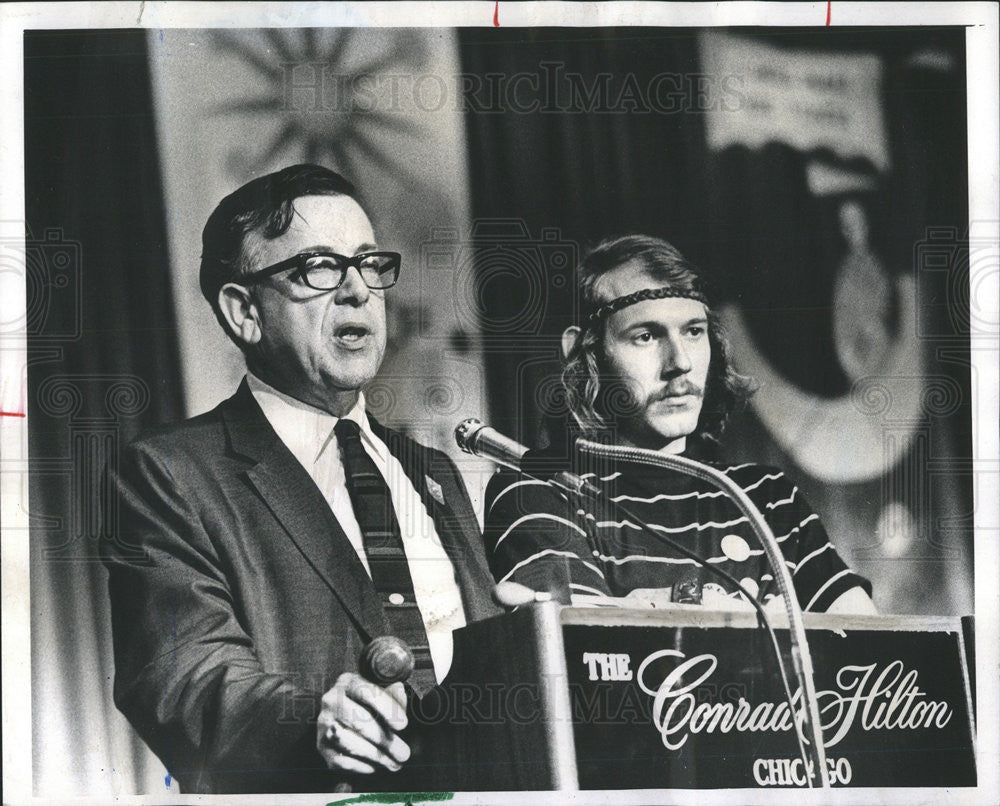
383, 544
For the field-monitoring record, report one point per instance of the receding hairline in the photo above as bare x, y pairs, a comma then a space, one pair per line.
253, 241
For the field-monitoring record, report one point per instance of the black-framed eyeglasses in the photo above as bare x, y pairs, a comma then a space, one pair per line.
325, 271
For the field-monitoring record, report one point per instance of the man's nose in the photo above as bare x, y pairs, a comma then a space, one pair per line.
674, 358
353, 290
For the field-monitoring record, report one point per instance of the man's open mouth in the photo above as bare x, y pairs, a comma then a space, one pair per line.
351, 334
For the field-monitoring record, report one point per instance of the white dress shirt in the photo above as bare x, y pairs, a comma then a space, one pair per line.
308, 433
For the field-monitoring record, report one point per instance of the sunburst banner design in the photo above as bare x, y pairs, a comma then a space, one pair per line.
378, 106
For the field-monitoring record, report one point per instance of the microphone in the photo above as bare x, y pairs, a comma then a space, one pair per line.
475, 437
386, 660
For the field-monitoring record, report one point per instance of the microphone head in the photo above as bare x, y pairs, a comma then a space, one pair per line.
386, 660
465, 433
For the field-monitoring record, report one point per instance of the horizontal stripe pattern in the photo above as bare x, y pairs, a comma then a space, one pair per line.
537, 535
539, 516
550, 553
514, 486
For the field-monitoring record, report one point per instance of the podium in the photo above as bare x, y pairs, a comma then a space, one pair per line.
552, 697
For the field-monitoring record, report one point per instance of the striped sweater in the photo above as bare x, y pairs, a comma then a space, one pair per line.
539, 535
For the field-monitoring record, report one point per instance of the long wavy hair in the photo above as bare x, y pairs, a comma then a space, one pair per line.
596, 398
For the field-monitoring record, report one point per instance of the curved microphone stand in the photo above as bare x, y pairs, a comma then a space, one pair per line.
801, 659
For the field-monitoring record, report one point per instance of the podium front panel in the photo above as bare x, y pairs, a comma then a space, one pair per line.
702, 706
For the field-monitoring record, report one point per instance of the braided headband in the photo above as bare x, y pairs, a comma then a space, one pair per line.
641, 296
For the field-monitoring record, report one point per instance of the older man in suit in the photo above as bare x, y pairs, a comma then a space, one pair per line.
260, 546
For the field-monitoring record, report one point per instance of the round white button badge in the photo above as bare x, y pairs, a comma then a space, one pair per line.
396, 598
735, 548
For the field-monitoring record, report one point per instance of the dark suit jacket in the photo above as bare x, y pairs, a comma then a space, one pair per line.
237, 599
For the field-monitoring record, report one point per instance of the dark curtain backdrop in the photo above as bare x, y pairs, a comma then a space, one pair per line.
571, 178
749, 220
102, 366
777, 248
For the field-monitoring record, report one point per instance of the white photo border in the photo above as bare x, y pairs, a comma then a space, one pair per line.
980, 20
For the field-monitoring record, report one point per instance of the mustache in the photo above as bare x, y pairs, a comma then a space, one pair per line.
615, 397
675, 389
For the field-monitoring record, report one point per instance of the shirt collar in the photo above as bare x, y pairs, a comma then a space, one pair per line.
306, 430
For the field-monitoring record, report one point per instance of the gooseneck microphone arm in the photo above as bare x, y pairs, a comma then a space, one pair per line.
476, 438
801, 659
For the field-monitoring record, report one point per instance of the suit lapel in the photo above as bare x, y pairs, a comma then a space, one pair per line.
298, 505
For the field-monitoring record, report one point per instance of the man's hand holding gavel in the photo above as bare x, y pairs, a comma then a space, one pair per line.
362, 715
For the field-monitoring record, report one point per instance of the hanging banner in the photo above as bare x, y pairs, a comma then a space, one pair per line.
808, 100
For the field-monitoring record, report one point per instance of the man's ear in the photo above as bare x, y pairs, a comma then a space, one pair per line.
570, 338
240, 313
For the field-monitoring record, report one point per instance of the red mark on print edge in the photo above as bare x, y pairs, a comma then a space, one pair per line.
11, 414
828, 4
496, 14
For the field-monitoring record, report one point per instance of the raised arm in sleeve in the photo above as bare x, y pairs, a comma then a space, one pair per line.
535, 536
819, 573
